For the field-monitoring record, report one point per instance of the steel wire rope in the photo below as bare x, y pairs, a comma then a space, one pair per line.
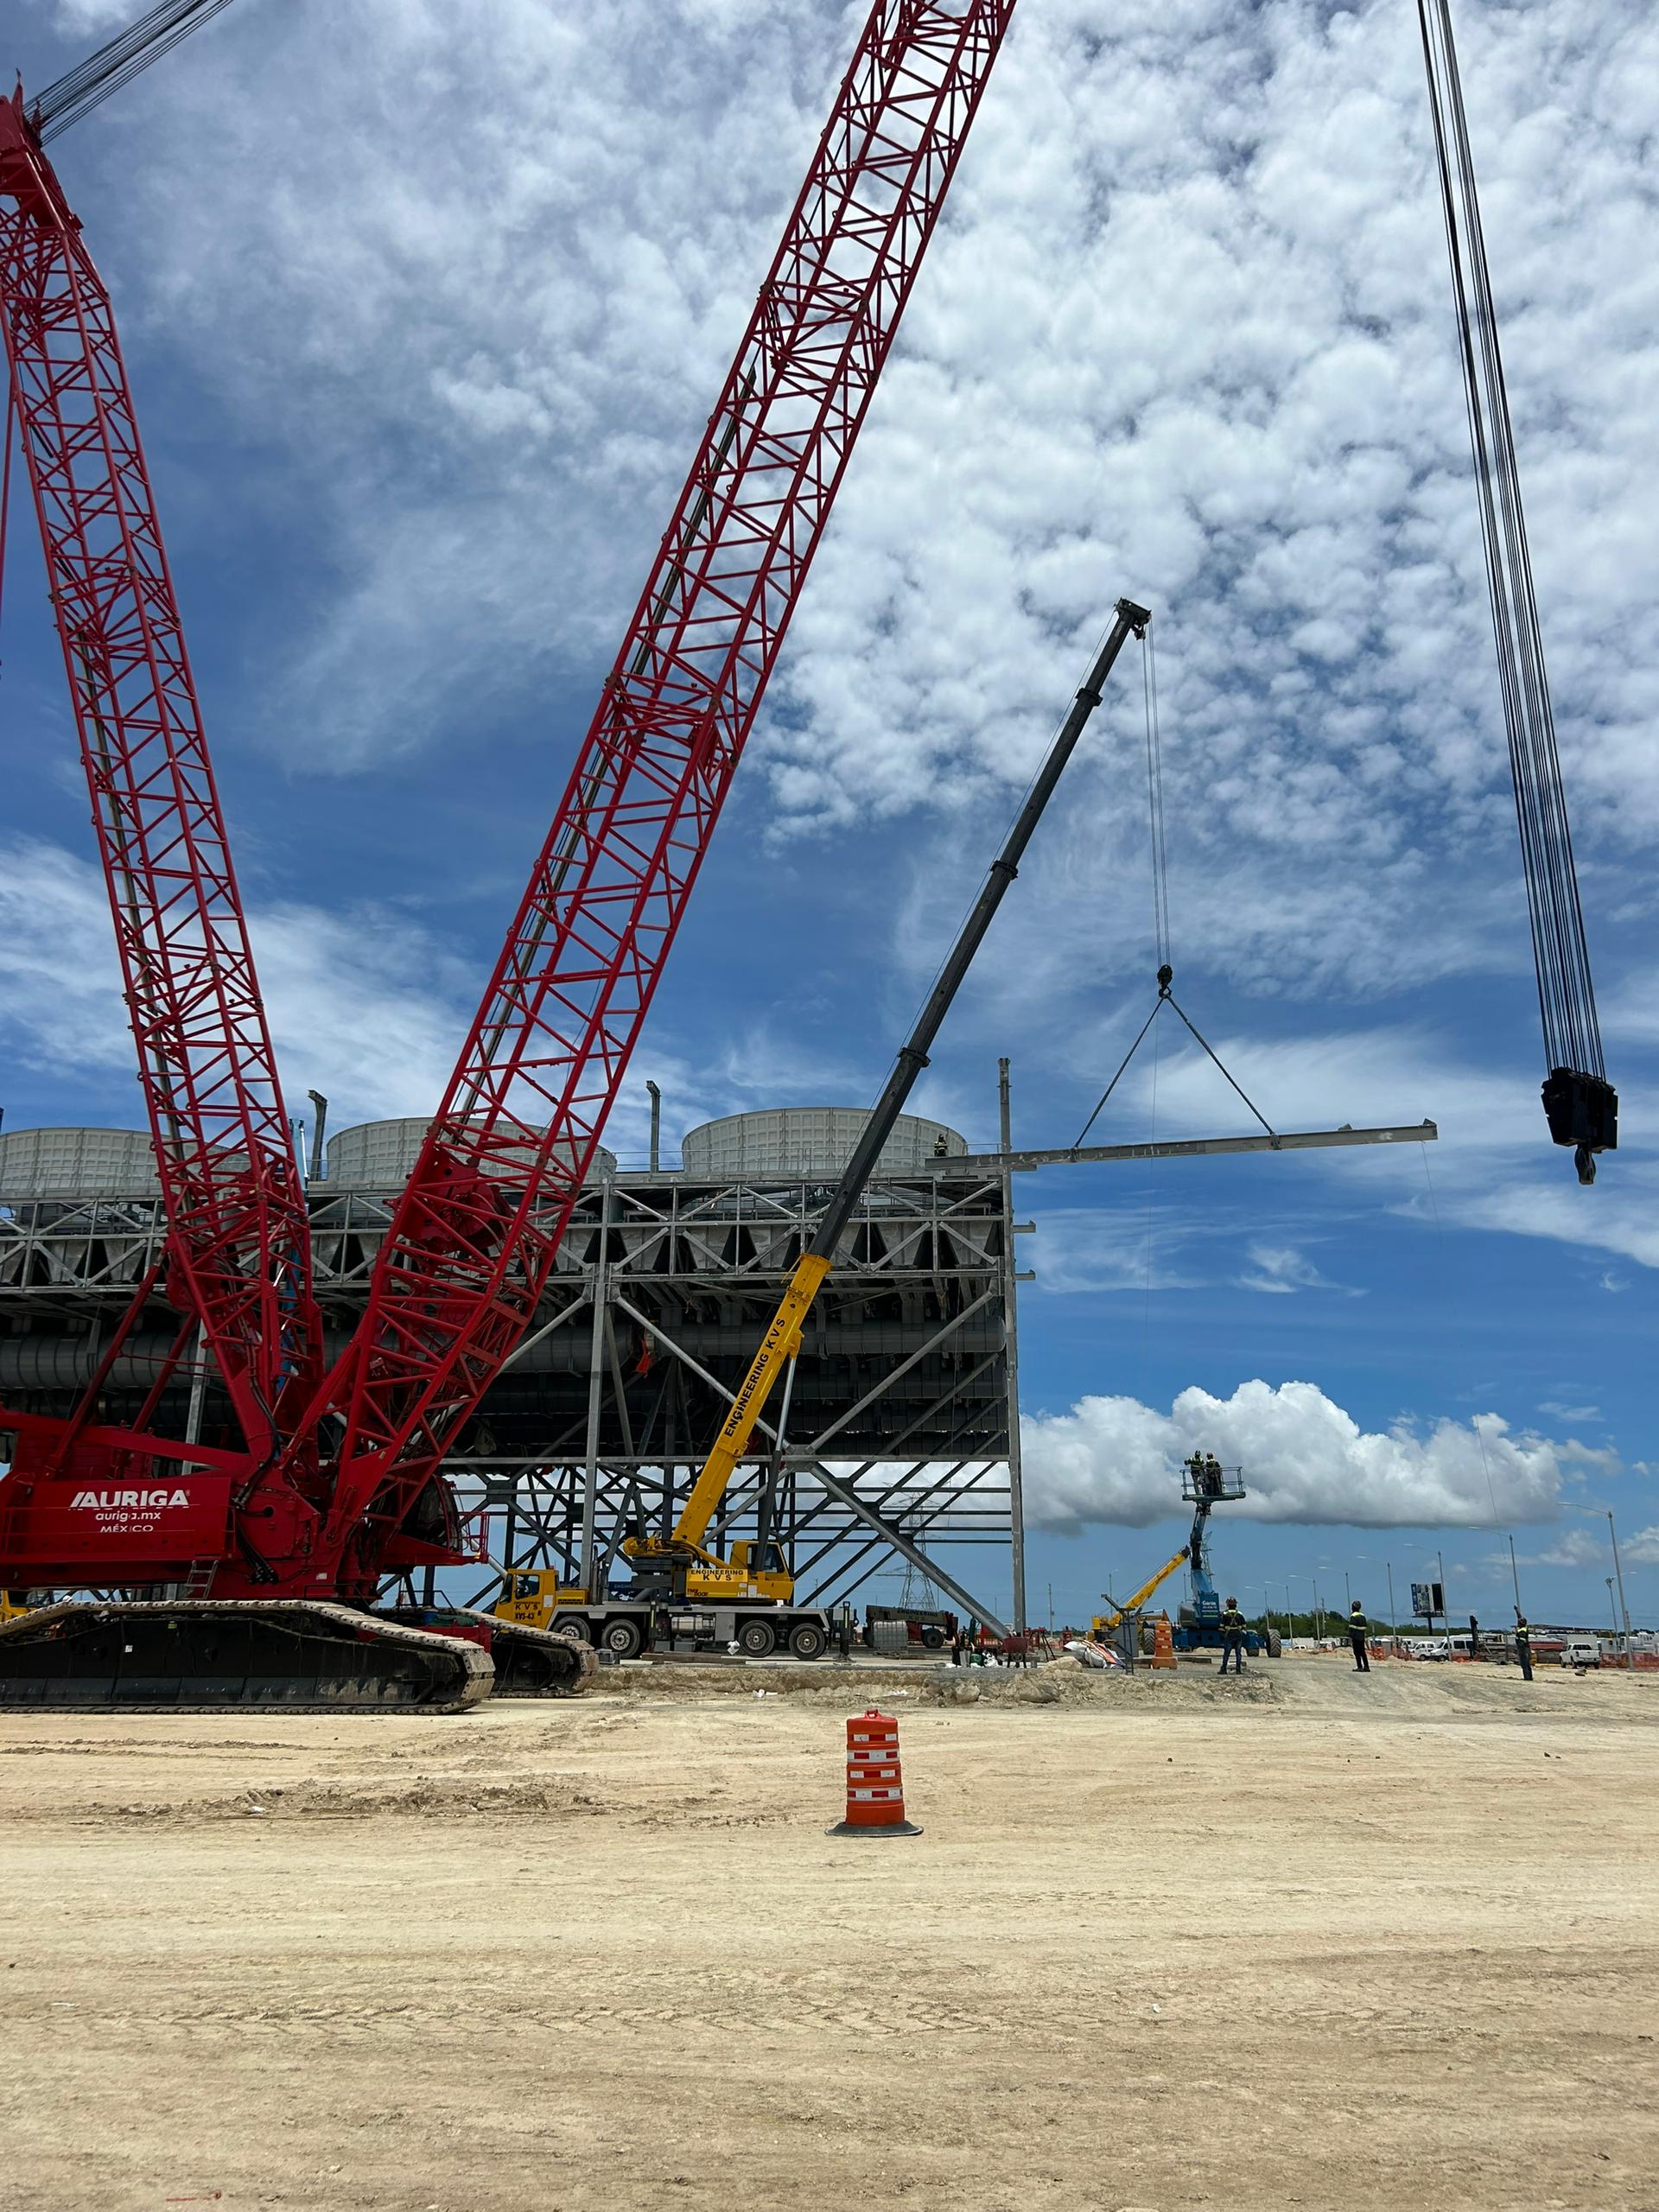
1566, 991
117, 63
1160, 912
1155, 798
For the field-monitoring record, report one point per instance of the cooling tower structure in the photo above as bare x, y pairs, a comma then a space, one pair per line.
899, 1416
380, 1156
811, 1141
76, 1163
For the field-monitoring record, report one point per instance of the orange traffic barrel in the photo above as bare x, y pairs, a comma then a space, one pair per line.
875, 1783
1163, 1641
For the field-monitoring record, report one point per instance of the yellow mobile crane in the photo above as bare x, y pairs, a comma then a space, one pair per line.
747, 1597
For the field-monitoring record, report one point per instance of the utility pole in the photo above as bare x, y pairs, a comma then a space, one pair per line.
1612, 1609
1516, 1579
1446, 1611
1011, 1353
1394, 1620
1624, 1609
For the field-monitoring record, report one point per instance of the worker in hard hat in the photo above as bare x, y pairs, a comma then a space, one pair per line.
1232, 1636
1358, 1630
1523, 1646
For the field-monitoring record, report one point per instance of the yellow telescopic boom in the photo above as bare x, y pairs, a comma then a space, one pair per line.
1105, 1623
781, 1342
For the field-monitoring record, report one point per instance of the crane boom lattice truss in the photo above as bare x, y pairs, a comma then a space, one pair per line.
469, 1250
239, 1258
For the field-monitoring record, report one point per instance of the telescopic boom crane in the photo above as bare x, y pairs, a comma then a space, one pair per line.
681, 1554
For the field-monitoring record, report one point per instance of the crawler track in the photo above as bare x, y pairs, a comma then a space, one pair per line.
207, 1652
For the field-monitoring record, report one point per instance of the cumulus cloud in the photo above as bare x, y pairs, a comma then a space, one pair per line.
1305, 1459
1185, 332
365, 1004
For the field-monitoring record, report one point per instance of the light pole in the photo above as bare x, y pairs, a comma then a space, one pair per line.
1516, 1579
1624, 1609
1394, 1624
1318, 1611
1612, 1609
1446, 1611
1290, 1607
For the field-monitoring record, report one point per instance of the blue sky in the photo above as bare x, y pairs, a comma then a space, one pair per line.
422, 335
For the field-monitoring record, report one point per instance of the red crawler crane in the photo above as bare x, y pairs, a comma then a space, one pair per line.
341, 1480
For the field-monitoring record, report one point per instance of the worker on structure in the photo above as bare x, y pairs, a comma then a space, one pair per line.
1232, 1636
1358, 1630
1523, 1646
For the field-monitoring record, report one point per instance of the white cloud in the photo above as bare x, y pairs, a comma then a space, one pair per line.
365, 1004
1305, 1459
1282, 1269
1186, 332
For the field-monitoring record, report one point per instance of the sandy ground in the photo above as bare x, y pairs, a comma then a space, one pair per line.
1303, 1940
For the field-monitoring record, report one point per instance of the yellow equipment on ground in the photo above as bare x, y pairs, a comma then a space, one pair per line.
1105, 1624
531, 1595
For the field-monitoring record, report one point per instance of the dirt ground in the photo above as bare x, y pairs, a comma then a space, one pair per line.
1305, 1940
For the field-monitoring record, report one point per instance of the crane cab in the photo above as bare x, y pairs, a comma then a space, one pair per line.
750, 1571
531, 1595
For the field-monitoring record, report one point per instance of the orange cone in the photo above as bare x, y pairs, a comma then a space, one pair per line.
1163, 1643
875, 1783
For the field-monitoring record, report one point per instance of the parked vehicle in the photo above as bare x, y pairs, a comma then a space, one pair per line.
1580, 1651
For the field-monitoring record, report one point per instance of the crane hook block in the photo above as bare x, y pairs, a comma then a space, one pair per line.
1583, 1112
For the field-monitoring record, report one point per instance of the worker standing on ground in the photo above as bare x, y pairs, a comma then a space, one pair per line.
1232, 1636
1358, 1630
1523, 1646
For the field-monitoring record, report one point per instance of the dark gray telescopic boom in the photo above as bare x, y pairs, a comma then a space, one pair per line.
1131, 621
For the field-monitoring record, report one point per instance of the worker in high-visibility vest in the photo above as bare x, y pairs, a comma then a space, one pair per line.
1358, 1630
1523, 1646
1232, 1636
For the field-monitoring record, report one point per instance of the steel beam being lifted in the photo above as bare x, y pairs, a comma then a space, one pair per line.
1022, 1163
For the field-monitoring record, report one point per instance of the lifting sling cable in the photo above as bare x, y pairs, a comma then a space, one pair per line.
1581, 1104
1161, 906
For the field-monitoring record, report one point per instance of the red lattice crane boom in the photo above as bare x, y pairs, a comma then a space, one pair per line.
341, 1479
474, 1236
238, 1246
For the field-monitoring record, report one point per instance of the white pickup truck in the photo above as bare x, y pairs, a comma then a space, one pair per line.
1582, 1651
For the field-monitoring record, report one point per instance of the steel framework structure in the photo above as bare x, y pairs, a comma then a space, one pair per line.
597, 1422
